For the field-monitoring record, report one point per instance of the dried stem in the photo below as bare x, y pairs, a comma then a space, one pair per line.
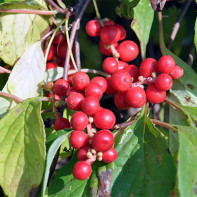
4, 70
5, 94
77, 50
59, 9
22, 11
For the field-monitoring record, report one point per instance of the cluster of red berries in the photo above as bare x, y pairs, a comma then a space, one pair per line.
126, 81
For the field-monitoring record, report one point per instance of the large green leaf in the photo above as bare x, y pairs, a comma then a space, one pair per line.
187, 161
143, 15
143, 167
18, 32
22, 145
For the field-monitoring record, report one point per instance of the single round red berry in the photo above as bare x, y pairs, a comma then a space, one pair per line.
61, 87
107, 21
52, 52
121, 80
110, 90
133, 71
93, 28
80, 80
51, 65
154, 95
163, 82
120, 102
90, 105
61, 123
93, 89
78, 139
101, 82
136, 97
110, 34
62, 49
103, 140
177, 72
79, 120
105, 49
122, 64
74, 101
148, 66
110, 65
82, 170
110, 155
70, 79
166, 64
72, 91
59, 38
82, 153
104, 119
128, 50
123, 33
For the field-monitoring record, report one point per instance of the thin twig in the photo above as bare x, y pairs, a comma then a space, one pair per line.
167, 100
16, 98
47, 35
59, 9
22, 11
98, 16
77, 50
4, 70
46, 110
177, 24
54, 21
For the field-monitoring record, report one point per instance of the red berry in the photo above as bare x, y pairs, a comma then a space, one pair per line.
121, 80
62, 49
61, 87
154, 95
82, 170
51, 65
123, 33
103, 140
128, 50
93, 28
133, 71
82, 153
105, 49
163, 82
110, 155
166, 64
110, 34
136, 97
122, 64
148, 66
79, 120
110, 65
70, 79
108, 21
104, 119
59, 38
177, 72
78, 139
93, 89
80, 80
74, 101
101, 82
56, 96
61, 123
90, 105
52, 52
110, 90
119, 100
72, 91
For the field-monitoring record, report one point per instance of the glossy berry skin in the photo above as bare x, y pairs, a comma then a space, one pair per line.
80, 80
61, 123
148, 66
106, 50
101, 82
70, 79
78, 139
108, 21
93, 89
56, 96
155, 96
128, 50
177, 72
166, 64
82, 153
51, 65
104, 119
74, 101
110, 90
79, 120
52, 53
110, 34
122, 64
61, 87
82, 170
102, 140
93, 28
133, 71
59, 38
136, 97
110, 65
120, 102
123, 33
90, 105
72, 91
110, 155
62, 49
121, 80
163, 82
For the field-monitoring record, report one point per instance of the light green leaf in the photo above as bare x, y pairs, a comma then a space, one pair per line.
53, 74
22, 145
142, 22
195, 37
18, 33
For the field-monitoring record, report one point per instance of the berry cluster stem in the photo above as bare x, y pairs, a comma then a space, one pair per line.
4, 70
98, 16
5, 94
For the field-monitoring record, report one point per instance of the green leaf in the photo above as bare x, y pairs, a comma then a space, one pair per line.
18, 33
144, 167
53, 74
50, 156
195, 37
22, 145
187, 161
143, 15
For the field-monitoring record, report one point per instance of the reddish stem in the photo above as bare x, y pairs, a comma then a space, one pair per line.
4, 70
89, 129
173, 104
5, 94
